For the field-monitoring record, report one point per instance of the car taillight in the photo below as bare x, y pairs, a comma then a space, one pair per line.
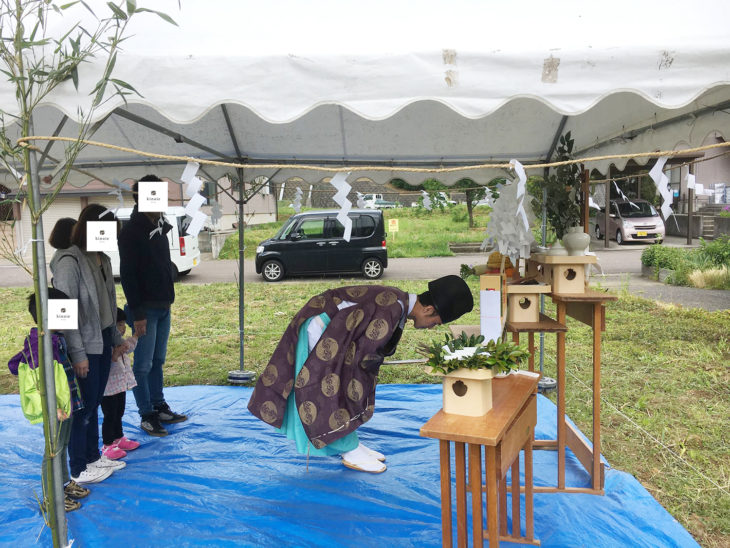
182, 246
383, 244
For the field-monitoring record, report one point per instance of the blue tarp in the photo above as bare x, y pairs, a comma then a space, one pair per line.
224, 478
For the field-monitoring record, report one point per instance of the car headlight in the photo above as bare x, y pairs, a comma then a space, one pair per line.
259, 249
627, 224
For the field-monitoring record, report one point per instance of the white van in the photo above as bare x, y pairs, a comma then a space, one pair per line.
184, 250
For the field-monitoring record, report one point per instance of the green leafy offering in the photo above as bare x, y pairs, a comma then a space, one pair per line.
500, 356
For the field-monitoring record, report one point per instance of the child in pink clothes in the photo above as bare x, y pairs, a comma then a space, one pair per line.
121, 379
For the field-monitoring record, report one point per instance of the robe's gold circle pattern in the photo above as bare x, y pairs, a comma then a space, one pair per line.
326, 349
318, 444
336, 300
339, 418
308, 412
330, 384
377, 329
303, 377
270, 374
317, 302
350, 354
268, 412
367, 415
386, 298
290, 355
356, 292
354, 318
355, 390
288, 387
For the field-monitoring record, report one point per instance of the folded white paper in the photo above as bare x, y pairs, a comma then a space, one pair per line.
63, 314
101, 236
196, 224
152, 196
194, 204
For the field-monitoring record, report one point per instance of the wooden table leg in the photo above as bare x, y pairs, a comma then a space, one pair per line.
475, 481
560, 350
502, 506
596, 473
445, 461
492, 498
460, 472
531, 349
529, 508
516, 497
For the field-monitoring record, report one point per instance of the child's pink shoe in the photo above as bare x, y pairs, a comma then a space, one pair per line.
112, 452
126, 444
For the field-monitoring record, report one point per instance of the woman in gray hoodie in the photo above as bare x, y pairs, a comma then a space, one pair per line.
87, 277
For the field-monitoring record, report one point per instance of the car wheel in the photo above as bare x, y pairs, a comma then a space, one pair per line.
372, 268
184, 272
619, 237
599, 236
272, 271
175, 273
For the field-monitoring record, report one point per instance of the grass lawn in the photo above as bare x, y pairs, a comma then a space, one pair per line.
420, 233
666, 380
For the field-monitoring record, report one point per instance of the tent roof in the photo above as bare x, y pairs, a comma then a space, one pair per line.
400, 83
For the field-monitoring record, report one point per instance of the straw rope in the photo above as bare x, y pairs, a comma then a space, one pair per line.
25, 141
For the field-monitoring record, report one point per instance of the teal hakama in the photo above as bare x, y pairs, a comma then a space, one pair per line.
292, 425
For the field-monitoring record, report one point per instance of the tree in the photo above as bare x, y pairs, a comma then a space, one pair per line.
475, 193
35, 64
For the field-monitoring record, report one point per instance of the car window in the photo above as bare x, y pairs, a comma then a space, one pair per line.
285, 229
311, 228
636, 209
363, 226
182, 224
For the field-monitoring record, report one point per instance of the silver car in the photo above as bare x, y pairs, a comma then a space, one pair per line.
631, 221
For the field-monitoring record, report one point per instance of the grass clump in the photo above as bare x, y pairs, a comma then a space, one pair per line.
704, 267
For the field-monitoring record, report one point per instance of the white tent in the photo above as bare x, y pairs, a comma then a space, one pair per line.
393, 84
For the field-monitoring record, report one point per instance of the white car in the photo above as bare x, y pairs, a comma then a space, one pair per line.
184, 251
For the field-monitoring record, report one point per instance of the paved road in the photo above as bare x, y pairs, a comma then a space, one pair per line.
621, 270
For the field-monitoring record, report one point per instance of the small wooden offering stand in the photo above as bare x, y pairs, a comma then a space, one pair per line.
572, 298
504, 431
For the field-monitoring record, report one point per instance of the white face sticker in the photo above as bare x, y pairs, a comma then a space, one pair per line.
152, 196
63, 314
101, 236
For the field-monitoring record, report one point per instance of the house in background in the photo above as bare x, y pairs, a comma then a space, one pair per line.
71, 200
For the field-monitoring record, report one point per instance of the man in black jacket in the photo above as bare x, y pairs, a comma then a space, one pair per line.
146, 274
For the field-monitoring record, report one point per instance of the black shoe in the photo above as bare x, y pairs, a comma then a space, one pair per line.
151, 424
165, 414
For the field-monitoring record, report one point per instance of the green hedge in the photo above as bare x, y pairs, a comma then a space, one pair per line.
661, 256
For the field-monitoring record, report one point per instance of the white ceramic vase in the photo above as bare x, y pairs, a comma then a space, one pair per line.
576, 241
557, 249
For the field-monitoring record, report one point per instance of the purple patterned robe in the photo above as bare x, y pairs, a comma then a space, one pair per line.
335, 390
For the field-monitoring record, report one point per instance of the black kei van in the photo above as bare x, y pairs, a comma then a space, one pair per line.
313, 243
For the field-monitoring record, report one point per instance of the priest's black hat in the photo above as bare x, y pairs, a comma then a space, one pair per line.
451, 297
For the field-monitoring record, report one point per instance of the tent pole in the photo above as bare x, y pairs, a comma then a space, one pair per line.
545, 384
240, 376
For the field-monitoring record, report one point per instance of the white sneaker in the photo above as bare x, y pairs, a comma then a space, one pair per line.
359, 459
92, 474
105, 463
